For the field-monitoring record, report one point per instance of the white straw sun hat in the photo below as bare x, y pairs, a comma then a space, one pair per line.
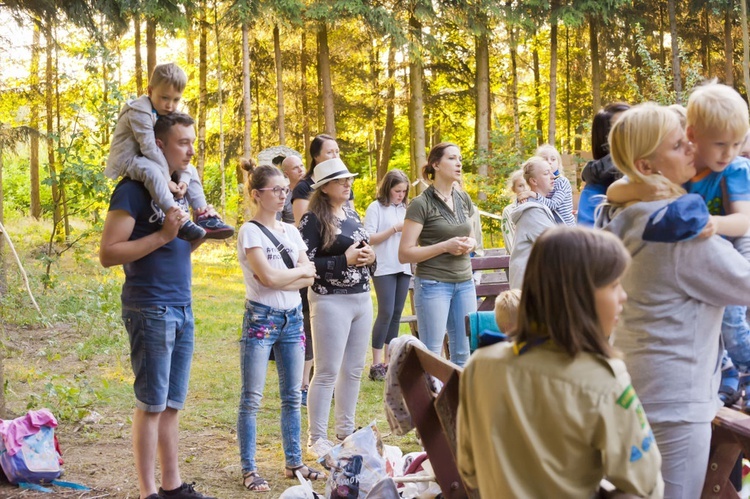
330, 169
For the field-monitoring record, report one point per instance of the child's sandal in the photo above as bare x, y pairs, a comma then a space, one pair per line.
306, 471
256, 482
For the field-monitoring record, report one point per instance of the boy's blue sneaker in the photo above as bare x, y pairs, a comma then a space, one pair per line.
191, 232
304, 397
214, 227
729, 390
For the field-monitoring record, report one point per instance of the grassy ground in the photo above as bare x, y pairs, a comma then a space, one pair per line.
75, 362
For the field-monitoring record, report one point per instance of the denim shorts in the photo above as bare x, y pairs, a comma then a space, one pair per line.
161, 350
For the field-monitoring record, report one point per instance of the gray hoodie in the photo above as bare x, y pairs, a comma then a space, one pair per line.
669, 329
531, 219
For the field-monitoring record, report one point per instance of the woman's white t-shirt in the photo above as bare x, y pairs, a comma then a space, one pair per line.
377, 219
250, 236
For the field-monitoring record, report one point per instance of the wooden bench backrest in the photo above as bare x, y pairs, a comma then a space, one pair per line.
434, 416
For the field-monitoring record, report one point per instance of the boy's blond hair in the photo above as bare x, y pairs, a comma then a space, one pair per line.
513, 178
549, 150
168, 74
717, 108
506, 310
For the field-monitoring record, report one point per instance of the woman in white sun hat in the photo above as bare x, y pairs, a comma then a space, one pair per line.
340, 303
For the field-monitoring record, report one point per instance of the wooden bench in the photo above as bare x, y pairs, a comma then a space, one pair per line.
434, 415
494, 278
730, 438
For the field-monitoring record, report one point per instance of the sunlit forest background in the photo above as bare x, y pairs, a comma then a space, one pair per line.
387, 78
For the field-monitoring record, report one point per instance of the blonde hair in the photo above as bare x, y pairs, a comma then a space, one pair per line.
717, 108
168, 74
636, 135
506, 310
513, 178
681, 113
548, 150
530, 167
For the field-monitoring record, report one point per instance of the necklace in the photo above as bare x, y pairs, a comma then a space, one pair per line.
443, 196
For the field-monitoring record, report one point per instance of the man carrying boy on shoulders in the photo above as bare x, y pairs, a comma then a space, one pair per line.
156, 310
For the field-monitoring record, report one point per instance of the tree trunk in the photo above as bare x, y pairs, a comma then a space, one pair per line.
258, 120
220, 103
675, 50
662, 49
247, 147
3, 270
596, 100
192, 104
325, 76
279, 85
373, 147
303, 92
514, 88
481, 43
50, 130
553, 73
137, 46
728, 48
537, 93
150, 46
416, 101
200, 164
36, 203
61, 179
745, 49
390, 121
706, 43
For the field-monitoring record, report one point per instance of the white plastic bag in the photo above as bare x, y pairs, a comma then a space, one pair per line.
356, 465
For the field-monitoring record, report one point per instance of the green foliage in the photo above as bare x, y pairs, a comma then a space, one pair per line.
365, 190
67, 401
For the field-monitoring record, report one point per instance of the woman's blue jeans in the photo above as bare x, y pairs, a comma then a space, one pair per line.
444, 306
264, 328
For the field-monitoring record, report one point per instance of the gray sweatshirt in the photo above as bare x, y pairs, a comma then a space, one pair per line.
669, 329
531, 219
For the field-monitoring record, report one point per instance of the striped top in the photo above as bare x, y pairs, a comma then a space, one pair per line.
560, 200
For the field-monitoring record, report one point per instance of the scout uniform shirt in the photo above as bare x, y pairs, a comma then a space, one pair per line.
544, 424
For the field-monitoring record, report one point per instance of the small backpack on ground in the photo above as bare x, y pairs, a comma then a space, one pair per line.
28, 451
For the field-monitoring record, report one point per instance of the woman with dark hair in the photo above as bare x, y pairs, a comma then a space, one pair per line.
599, 173
384, 220
340, 303
322, 148
438, 237
553, 413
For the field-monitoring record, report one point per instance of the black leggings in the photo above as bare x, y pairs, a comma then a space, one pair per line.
391, 291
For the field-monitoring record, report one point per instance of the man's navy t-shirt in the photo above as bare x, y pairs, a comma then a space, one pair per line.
163, 277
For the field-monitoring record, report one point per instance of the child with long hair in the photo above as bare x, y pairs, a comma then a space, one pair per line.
275, 266
384, 220
559, 414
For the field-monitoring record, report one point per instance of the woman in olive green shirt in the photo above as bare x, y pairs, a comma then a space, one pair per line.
438, 237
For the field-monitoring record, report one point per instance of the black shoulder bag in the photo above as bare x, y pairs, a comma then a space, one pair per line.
280, 247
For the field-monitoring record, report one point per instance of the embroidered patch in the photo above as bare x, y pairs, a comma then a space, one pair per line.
635, 454
641, 415
646, 445
627, 397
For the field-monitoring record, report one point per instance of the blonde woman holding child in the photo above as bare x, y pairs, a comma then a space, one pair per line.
275, 266
384, 221
560, 413
516, 184
560, 199
678, 286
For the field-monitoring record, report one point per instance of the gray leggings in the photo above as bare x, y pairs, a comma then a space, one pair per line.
340, 330
391, 291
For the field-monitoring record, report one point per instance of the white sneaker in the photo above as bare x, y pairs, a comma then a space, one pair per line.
320, 448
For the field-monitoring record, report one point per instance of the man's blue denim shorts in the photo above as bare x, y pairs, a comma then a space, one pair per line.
161, 351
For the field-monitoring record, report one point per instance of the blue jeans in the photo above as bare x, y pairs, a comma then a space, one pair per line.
736, 335
161, 351
444, 306
264, 328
